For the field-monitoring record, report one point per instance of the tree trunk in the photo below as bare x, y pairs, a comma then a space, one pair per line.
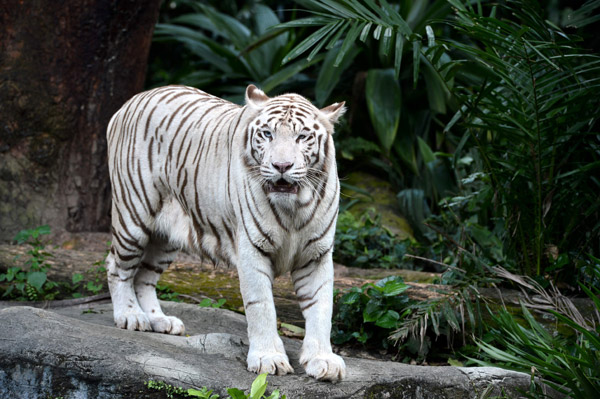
65, 68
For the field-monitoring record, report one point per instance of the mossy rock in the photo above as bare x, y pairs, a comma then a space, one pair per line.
382, 199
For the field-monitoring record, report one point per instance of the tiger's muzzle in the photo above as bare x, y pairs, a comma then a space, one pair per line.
282, 186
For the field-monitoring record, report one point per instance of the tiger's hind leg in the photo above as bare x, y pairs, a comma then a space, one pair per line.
158, 255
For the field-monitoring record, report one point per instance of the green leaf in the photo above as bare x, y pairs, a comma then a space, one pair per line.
275, 395
416, 61
388, 320
392, 285
412, 203
404, 147
384, 102
377, 32
43, 230
228, 27
365, 32
259, 386
437, 93
77, 277
36, 279
289, 71
309, 42
373, 311
350, 297
426, 153
388, 35
236, 393
398, 54
329, 74
455, 363
205, 303
219, 303
348, 42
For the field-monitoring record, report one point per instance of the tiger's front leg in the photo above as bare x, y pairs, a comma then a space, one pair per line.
266, 353
314, 287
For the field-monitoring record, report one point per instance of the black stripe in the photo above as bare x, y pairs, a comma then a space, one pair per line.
315, 260
277, 216
320, 236
254, 219
259, 249
216, 235
230, 137
152, 213
228, 231
152, 268
310, 297
136, 246
150, 153
308, 306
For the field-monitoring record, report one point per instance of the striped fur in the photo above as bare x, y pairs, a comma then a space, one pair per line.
253, 187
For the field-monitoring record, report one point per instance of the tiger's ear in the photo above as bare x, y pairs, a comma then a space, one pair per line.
255, 97
334, 111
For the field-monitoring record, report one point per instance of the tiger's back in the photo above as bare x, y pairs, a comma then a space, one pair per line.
253, 187
166, 158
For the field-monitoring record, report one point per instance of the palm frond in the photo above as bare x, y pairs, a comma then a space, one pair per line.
353, 21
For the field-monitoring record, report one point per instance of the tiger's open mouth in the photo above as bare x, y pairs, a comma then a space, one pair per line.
282, 186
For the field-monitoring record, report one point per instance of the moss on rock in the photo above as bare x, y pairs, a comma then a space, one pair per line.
382, 198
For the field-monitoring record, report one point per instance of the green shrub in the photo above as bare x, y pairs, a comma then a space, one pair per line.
370, 313
30, 283
363, 242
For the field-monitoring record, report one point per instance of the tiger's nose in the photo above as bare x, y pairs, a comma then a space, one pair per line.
282, 167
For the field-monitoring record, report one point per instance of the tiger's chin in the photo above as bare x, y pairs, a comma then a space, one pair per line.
282, 186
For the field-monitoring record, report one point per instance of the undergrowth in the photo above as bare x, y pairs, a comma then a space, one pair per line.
32, 282
362, 241
257, 391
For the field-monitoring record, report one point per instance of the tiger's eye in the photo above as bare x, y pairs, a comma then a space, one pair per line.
267, 134
300, 137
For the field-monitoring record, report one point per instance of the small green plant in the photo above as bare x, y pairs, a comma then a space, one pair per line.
363, 242
93, 279
31, 283
166, 293
202, 393
257, 391
173, 392
370, 313
209, 303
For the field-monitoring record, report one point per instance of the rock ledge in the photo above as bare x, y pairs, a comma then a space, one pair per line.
76, 352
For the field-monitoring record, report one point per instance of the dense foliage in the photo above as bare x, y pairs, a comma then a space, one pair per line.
482, 116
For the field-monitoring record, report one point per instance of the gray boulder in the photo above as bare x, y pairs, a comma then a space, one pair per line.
77, 353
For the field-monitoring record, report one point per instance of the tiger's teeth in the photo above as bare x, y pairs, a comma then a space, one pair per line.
282, 186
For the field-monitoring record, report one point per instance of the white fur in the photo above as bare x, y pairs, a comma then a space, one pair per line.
263, 239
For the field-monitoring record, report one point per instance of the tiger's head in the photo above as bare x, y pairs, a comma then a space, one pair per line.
288, 141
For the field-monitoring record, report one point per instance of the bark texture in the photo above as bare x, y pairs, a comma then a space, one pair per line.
65, 68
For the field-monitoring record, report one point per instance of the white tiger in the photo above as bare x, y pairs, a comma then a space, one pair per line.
251, 186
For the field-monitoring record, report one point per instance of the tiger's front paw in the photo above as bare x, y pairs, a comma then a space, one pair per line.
325, 366
133, 320
167, 325
269, 362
